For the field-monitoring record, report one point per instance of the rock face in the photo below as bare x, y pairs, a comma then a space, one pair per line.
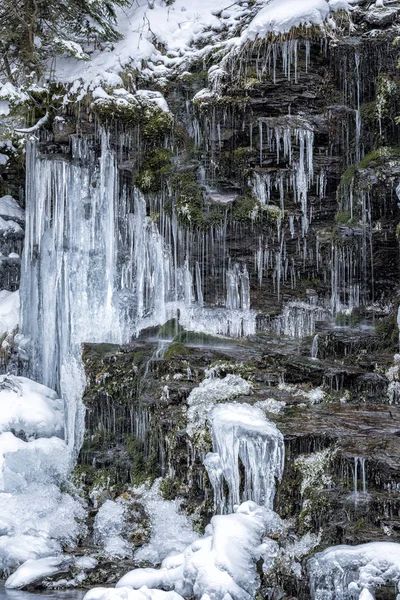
267, 210
289, 205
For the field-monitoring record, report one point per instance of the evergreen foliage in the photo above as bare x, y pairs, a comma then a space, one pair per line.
32, 32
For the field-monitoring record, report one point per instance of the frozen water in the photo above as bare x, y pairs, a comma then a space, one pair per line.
241, 432
210, 391
9, 312
35, 522
344, 572
30, 407
222, 562
171, 529
109, 525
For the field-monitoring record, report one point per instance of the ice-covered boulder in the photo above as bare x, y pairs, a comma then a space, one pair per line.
242, 432
342, 572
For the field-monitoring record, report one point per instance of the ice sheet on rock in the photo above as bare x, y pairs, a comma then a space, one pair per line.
36, 570
9, 311
109, 525
29, 407
241, 432
10, 209
127, 593
343, 572
210, 391
222, 562
171, 529
219, 321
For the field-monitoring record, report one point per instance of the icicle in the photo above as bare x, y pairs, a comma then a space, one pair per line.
314, 347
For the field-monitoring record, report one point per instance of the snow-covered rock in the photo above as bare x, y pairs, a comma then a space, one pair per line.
280, 16
210, 391
127, 593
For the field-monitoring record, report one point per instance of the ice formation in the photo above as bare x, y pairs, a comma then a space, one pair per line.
9, 312
30, 407
109, 525
171, 529
210, 391
36, 518
344, 572
241, 432
222, 562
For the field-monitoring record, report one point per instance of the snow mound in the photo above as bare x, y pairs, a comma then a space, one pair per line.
344, 571
280, 16
241, 431
36, 518
222, 562
29, 407
171, 530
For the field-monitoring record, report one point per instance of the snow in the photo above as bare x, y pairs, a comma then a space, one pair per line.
171, 529
361, 569
11, 209
29, 407
222, 562
241, 431
36, 570
280, 16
